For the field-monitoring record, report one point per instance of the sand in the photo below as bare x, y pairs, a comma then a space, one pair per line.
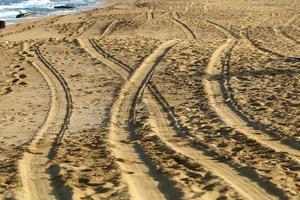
153, 100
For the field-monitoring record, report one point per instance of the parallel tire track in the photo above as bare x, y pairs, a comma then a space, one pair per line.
221, 101
90, 45
280, 33
69, 106
141, 185
111, 28
292, 20
83, 28
36, 181
186, 30
161, 113
244, 186
119, 68
283, 34
150, 15
269, 51
175, 15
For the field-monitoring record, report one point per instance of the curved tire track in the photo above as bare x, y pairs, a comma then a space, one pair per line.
111, 28
186, 30
292, 20
135, 173
227, 110
150, 15
85, 26
90, 45
37, 183
121, 69
161, 114
262, 49
244, 186
283, 34
280, 33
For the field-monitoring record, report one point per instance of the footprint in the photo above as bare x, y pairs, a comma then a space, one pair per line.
23, 83
8, 90
17, 66
14, 81
22, 76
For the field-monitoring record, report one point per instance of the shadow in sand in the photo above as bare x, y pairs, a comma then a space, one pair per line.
62, 192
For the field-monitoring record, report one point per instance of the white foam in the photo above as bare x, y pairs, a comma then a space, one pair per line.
38, 7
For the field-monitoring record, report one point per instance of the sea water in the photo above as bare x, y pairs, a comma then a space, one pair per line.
9, 9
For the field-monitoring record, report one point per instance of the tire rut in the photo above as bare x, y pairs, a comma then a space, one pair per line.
222, 103
280, 33
135, 172
90, 45
150, 15
111, 28
264, 50
283, 34
83, 28
161, 116
186, 30
292, 20
244, 186
35, 174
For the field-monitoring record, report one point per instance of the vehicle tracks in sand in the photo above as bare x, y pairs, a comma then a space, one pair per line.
160, 124
84, 27
185, 29
280, 33
135, 172
35, 174
150, 15
267, 51
292, 20
111, 28
217, 93
161, 114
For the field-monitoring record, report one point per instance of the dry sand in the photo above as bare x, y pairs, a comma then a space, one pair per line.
153, 100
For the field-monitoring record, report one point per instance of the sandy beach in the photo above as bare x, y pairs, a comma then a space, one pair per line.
149, 100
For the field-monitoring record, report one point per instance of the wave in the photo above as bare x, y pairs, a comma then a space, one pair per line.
26, 5
10, 8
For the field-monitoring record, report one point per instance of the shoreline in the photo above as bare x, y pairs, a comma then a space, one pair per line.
55, 14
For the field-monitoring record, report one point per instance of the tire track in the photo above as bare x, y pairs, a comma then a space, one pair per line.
124, 71
36, 177
162, 115
288, 37
283, 34
90, 45
135, 173
185, 29
175, 15
85, 26
150, 15
292, 20
244, 186
262, 49
111, 28
221, 101
68, 97
141, 185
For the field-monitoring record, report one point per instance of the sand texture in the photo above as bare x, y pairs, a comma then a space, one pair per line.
149, 100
